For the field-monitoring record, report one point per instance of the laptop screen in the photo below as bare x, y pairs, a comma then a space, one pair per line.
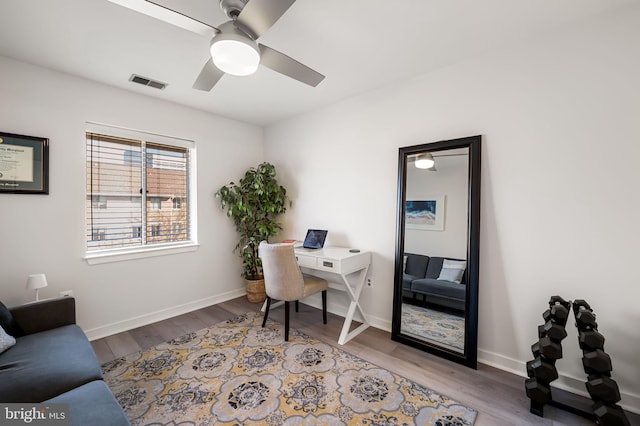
315, 239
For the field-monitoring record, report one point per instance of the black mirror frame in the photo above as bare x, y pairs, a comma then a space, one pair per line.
470, 355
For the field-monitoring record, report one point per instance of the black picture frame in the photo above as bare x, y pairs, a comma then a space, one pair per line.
24, 164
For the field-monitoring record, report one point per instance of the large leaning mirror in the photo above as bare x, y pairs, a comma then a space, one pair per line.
435, 306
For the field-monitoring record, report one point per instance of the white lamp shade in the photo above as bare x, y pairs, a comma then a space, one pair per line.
234, 54
36, 281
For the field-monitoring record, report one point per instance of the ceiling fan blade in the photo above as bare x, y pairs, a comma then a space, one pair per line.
208, 77
167, 15
258, 16
283, 64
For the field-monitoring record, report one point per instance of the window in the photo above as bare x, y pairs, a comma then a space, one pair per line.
136, 232
99, 202
98, 234
155, 203
155, 231
145, 180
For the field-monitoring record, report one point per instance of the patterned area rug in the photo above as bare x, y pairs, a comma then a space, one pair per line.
438, 326
240, 373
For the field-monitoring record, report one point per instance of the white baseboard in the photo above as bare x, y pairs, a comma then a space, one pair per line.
163, 314
629, 402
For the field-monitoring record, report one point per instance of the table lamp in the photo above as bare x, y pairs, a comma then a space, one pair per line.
36, 282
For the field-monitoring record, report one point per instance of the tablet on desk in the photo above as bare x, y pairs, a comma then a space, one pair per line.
315, 239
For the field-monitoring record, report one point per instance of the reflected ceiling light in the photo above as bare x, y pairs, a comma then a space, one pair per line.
234, 53
424, 161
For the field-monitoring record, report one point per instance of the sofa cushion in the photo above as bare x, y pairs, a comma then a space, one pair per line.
416, 265
46, 364
452, 270
439, 288
6, 341
434, 268
92, 404
8, 323
407, 280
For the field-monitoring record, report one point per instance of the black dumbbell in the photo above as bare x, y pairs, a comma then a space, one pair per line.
554, 331
586, 320
537, 391
557, 300
548, 348
541, 331
535, 349
597, 362
610, 415
603, 388
543, 370
590, 340
557, 313
579, 303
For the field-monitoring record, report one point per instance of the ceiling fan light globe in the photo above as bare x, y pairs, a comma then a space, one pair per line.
235, 57
424, 163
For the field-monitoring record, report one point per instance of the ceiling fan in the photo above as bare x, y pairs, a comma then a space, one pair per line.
234, 49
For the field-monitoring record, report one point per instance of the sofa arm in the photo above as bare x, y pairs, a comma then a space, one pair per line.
45, 314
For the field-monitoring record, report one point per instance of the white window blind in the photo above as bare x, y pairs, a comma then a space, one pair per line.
137, 193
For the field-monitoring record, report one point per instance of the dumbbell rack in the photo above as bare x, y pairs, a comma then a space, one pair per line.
597, 364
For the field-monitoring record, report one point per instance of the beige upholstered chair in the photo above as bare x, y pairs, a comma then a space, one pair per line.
284, 281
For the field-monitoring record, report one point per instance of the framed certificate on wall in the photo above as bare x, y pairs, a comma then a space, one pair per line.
24, 164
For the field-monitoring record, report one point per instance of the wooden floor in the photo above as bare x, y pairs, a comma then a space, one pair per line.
498, 396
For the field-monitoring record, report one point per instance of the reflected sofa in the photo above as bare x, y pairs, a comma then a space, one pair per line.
420, 282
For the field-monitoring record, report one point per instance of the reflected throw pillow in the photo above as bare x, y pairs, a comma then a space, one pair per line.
6, 341
8, 323
452, 270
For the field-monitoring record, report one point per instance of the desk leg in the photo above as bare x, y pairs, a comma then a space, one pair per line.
354, 294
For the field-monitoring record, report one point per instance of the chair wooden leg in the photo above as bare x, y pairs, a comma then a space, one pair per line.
286, 321
324, 306
266, 312
297, 306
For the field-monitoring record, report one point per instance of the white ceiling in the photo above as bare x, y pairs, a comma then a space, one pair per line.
358, 44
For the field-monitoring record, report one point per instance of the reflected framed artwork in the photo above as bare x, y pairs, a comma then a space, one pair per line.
426, 214
24, 164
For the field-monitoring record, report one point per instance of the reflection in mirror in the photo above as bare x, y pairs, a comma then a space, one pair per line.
435, 248
436, 280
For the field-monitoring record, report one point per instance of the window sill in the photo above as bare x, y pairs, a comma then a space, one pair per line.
138, 253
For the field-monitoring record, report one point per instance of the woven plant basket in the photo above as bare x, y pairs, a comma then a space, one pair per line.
255, 291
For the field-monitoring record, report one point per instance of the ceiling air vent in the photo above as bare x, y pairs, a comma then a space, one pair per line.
147, 82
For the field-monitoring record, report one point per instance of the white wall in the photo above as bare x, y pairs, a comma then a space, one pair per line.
560, 125
450, 180
41, 233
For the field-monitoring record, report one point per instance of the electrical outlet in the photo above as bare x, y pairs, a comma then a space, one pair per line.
369, 281
66, 293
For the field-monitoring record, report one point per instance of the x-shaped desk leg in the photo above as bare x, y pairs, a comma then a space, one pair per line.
354, 294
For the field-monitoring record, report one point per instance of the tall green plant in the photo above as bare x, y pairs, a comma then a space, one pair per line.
254, 204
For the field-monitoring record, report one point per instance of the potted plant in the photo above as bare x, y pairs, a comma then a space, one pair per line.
253, 204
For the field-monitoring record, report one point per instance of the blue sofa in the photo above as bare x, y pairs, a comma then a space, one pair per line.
52, 361
420, 282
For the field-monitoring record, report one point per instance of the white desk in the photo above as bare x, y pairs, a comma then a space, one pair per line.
346, 272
